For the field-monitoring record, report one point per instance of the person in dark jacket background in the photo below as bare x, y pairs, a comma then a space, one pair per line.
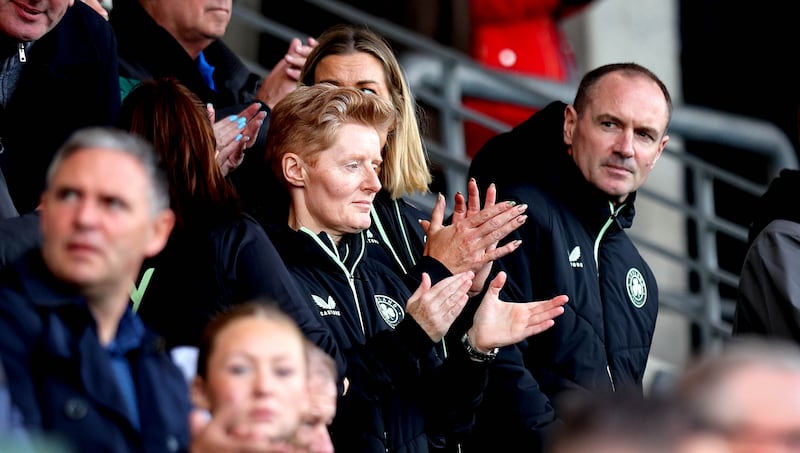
183, 39
768, 297
18, 235
584, 164
63, 57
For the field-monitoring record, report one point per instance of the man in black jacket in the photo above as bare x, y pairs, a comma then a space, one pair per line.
167, 38
59, 74
578, 167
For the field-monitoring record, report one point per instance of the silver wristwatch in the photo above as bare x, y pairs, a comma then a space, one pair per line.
476, 355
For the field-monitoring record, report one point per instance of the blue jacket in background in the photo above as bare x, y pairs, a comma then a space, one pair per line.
61, 379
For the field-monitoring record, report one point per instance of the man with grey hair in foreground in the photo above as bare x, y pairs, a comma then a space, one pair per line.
81, 366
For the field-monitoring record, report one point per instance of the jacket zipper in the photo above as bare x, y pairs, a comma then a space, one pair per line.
611, 218
23, 58
334, 255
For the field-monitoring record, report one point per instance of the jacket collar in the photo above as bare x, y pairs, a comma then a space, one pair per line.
44, 289
71, 329
303, 246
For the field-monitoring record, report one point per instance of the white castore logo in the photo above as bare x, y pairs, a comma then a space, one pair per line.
326, 307
371, 238
575, 257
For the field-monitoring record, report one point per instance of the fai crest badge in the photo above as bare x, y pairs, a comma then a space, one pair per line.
637, 288
390, 311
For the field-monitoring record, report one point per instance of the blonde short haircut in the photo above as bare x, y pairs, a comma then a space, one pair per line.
308, 120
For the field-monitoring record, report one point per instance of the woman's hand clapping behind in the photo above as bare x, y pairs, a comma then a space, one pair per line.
234, 134
470, 241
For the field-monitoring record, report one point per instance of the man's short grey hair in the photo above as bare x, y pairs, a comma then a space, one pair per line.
126, 143
705, 387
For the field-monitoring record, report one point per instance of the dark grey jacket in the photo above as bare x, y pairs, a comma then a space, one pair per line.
768, 297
